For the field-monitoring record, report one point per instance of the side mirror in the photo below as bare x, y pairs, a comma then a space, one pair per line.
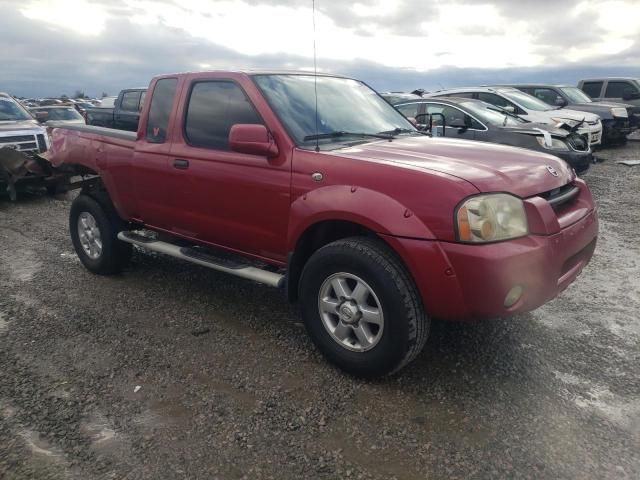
627, 95
42, 116
560, 102
510, 109
252, 139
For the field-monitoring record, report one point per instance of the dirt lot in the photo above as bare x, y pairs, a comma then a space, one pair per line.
230, 387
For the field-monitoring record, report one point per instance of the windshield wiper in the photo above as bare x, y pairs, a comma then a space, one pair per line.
342, 133
398, 131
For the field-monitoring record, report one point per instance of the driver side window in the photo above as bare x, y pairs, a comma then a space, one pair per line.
496, 100
452, 117
547, 95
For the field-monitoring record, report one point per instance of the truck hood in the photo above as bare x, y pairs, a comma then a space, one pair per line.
10, 126
567, 113
489, 167
603, 104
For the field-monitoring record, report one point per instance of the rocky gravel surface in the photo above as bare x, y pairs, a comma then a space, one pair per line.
171, 371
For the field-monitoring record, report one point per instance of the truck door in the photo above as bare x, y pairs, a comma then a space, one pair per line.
231, 199
150, 171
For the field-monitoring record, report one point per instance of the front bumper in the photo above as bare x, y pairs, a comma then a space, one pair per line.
470, 282
579, 161
594, 133
616, 129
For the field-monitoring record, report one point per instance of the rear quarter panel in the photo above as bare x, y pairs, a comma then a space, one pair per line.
105, 156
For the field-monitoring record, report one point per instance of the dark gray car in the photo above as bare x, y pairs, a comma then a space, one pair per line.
615, 116
476, 120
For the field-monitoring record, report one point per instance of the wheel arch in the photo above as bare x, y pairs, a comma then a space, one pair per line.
317, 236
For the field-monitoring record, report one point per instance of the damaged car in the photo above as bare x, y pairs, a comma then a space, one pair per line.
22, 139
615, 117
470, 119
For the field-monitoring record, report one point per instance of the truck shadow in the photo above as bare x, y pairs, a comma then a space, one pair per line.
498, 349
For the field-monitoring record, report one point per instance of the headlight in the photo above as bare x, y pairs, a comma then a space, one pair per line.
490, 218
556, 144
568, 121
619, 112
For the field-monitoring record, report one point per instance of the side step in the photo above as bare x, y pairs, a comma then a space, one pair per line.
199, 257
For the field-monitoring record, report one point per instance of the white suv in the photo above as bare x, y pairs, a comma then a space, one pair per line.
530, 108
19, 130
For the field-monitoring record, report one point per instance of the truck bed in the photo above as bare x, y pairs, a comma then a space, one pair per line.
103, 131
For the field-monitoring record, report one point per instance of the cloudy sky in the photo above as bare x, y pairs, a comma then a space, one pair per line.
51, 47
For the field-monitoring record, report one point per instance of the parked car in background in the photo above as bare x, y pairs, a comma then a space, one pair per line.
615, 117
530, 108
123, 115
107, 102
21, 140
58, 114
374, 227
476, 120
82, 106
49, 101
615, 89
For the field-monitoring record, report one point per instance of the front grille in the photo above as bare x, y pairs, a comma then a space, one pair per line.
558, 197
17, 139
42, 145
22, 143
579, 143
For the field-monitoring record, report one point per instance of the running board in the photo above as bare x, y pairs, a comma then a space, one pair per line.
195, 256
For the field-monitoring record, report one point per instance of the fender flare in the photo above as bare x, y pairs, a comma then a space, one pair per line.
354, 204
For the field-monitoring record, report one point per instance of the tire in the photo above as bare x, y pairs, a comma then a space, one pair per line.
360, 264
113, 255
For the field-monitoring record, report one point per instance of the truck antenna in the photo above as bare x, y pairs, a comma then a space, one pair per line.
315, 71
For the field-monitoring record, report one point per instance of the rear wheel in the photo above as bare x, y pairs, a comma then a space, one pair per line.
361, 307
94, 228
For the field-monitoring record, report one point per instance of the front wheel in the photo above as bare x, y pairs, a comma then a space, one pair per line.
361, 307
94, 229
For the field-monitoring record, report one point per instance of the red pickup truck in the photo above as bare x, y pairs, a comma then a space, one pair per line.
371, 226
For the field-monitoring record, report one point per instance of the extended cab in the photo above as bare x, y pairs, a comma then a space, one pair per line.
125, 113
614, 116
372, 226
615, 89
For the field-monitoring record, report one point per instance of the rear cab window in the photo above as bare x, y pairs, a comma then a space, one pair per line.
592, 89
213, 108
130, 101
160, 111
619, 89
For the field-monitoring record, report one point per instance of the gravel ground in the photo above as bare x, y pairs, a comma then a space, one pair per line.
173, 371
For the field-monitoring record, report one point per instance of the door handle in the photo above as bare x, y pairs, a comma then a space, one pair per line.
181, 163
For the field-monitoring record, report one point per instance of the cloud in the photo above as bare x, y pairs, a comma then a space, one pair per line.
106, 45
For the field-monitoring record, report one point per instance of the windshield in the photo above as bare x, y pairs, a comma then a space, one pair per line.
526, 101
67, 113
10, 110
576, 95
344, 105
481, 110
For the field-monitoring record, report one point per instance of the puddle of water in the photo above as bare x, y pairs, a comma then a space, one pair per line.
39, 446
